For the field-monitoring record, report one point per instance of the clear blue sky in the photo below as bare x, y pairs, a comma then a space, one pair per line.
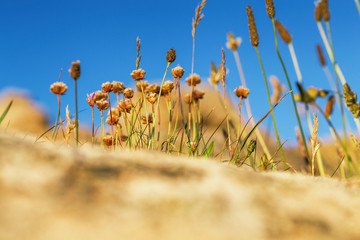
39, 37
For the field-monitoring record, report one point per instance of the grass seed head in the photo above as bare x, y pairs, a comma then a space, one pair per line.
58, 88
254, 37
351, 101
329, 106
128, 93
171, 55
321, 56
75, 70
241, 92
270, 8
193, 80
138, 74
107, 87
233, 43
318, 12
198, 17
102, 104
177, 72
118, 87
283, 32
325, 10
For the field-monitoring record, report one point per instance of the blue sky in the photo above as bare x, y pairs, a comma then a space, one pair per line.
39, 37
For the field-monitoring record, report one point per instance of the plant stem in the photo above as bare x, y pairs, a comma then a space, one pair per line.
76, 116
102, 128
272, 113
92, 127
290, 88
57, 118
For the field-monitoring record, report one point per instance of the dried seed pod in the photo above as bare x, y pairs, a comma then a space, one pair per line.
58, 88
75, 70
270, 8
138, 74
106, 87
193, 80
233, 43
241, 92
329, 106
90, 99
321, 56
118, 87
177, 72
128, 93
154, 88
325, 10
114, 118
171, 55
318, 12
99, 95
254, 37
102, 104
125, 106
144, 85
283, 32
152, 97
108, 140
168, 86
148, 119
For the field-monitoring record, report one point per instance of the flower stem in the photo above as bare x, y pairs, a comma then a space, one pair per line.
76, 116
57, 119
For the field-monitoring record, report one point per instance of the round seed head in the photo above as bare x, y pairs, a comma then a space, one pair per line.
171, 55
99, 95
241, 92
148, 119
144, 85
197, 95
138, 74
102, 105
254, 37
168, 86
118, 87
125, 106
177, 72
128, 93
58, 88
108, 140
283, 32
187, 99
233, 43
193, 80
318, 12
270, 8
152, 97
154, 88
75, 70
114, 118
107, 87
320, 55
90, 99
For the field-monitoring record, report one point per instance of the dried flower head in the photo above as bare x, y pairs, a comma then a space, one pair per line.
320, 55
329, 106
168, 86
193, 80
215, 75
114, 118
223, 69
283, 32
270, 8
197, 95
198, 17
152, 97
177, 72
154, 88
277, 88
99, 95
107, 87
108, 140
142, 86
128, 93
138, 74
148, 119
118, 87
241, 92
125, 106
318, 12
188, 99
233, 43
75, 70
58, 88
325, 10
351, 101
254, 37
102, 104
90, 99
171, 55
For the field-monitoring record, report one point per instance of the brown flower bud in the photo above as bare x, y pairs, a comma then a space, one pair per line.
108, 140
171, 55
58, 88
154, 88
118, 87
187, 99
90, 99
254, 37
168, 86
114, 118
100, 96
138, 74
128, 93
177, 72
143, 84
75, 70
102, 104
148, 119
283, 32
197, 95
270, 8
125, 106
241, 92
193, 80
152, 97
107, 87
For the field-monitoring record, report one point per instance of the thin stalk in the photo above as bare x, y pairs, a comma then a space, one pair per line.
272, 113
247, 104
290, 88
112, 128
76, 116
143, 102
57, 118
92, 125
102, 128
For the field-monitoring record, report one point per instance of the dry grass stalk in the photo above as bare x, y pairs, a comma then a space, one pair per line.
198, 17
315, 145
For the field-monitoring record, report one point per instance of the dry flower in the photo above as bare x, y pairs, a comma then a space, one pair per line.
197, 95
90, 99
118, 87
254, 37
233, 43
125, 106
143, 84
177, 72
277, 88
215, 75
241, 92
108, 140
171, 55
148, 119
128, 93
106, 87
58, 88
193, 80
99, 95
152, 97
138, 74
113, 119
351, 101
154, 88
75, 70
102, 104
168, 86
